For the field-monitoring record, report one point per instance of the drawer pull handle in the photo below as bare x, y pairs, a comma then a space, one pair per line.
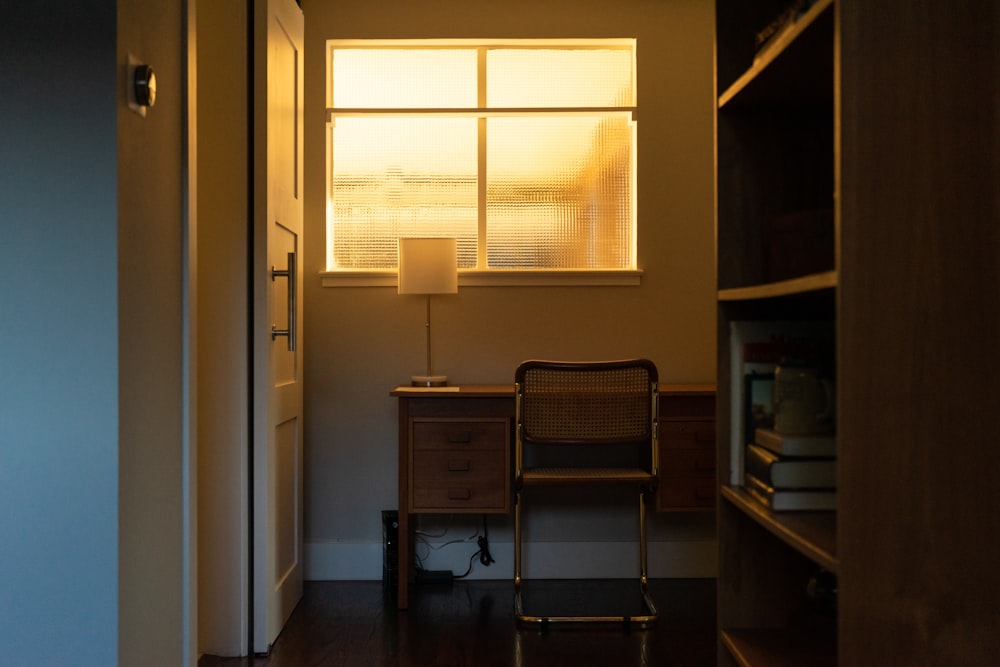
459, 466
460, 436
459, 494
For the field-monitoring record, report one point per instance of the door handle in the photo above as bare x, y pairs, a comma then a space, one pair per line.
288, 273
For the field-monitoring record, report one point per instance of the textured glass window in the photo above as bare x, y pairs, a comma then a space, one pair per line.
559, 192
400, 177
524, 152
559, 78
404, 78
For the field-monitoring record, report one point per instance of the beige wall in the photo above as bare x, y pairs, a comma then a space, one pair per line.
153, 512
360, 342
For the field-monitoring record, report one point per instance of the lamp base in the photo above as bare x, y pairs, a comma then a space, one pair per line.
428, 380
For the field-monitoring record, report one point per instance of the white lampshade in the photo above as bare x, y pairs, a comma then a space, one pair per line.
428, 266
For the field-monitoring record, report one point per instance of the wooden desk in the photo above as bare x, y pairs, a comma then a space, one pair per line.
687, 448
455, 447
454, 457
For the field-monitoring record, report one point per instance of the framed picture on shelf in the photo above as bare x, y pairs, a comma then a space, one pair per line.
758, 390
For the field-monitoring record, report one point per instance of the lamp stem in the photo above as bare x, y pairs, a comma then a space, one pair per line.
428, 325
428, 380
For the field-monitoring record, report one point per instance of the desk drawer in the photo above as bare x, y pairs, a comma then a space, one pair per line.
688, 463
459, 464
459, 434
688, 435
686, 493
457, 480
688, 480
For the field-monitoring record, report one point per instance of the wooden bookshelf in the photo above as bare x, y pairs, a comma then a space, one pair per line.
875, 116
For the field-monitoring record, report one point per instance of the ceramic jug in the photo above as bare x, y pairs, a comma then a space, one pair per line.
803, 400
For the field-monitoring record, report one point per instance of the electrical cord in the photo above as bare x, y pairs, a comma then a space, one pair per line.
485, 557
482, 541
450, 519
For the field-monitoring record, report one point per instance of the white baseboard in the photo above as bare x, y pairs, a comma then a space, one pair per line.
336, 560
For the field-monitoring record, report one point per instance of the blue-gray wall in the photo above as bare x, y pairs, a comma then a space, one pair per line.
58, 334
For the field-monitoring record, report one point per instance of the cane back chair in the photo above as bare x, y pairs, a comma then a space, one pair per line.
570, 417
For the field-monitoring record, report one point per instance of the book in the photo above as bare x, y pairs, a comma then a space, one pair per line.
781, 500
784, 472
796, 445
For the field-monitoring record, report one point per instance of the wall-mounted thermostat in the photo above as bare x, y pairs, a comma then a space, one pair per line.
140, 86
144, 82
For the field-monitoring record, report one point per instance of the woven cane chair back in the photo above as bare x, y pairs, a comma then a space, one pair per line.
586, 403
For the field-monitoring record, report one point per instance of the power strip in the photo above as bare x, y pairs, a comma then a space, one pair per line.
434, 576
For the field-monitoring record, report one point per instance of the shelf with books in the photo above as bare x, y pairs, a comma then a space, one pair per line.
767, 555
753, 351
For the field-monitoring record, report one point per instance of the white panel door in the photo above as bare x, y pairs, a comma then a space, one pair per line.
277, 450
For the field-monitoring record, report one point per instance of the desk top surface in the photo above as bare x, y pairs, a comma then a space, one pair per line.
503, 390
464, 390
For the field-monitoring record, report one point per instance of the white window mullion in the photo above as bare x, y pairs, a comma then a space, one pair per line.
482, 254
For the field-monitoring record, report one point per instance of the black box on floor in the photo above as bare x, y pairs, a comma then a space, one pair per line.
390, 551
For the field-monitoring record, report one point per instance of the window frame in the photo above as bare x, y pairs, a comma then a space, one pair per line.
484, 276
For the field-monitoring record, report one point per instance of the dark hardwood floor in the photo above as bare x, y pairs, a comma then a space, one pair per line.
355, 624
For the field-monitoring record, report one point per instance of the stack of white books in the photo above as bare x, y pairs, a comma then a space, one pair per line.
792, 472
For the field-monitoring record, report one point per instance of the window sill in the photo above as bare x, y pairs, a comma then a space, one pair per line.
495, 278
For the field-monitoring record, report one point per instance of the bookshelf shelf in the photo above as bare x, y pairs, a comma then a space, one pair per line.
812, 534
795, 286
789, 59
779, 648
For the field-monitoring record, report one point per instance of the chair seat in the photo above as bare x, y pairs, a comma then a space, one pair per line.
552, 476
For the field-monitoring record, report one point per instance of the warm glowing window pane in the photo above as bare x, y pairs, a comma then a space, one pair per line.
518, 78
559, 192
404, 78
394, 177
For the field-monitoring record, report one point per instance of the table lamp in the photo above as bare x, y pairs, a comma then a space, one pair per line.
428, 266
